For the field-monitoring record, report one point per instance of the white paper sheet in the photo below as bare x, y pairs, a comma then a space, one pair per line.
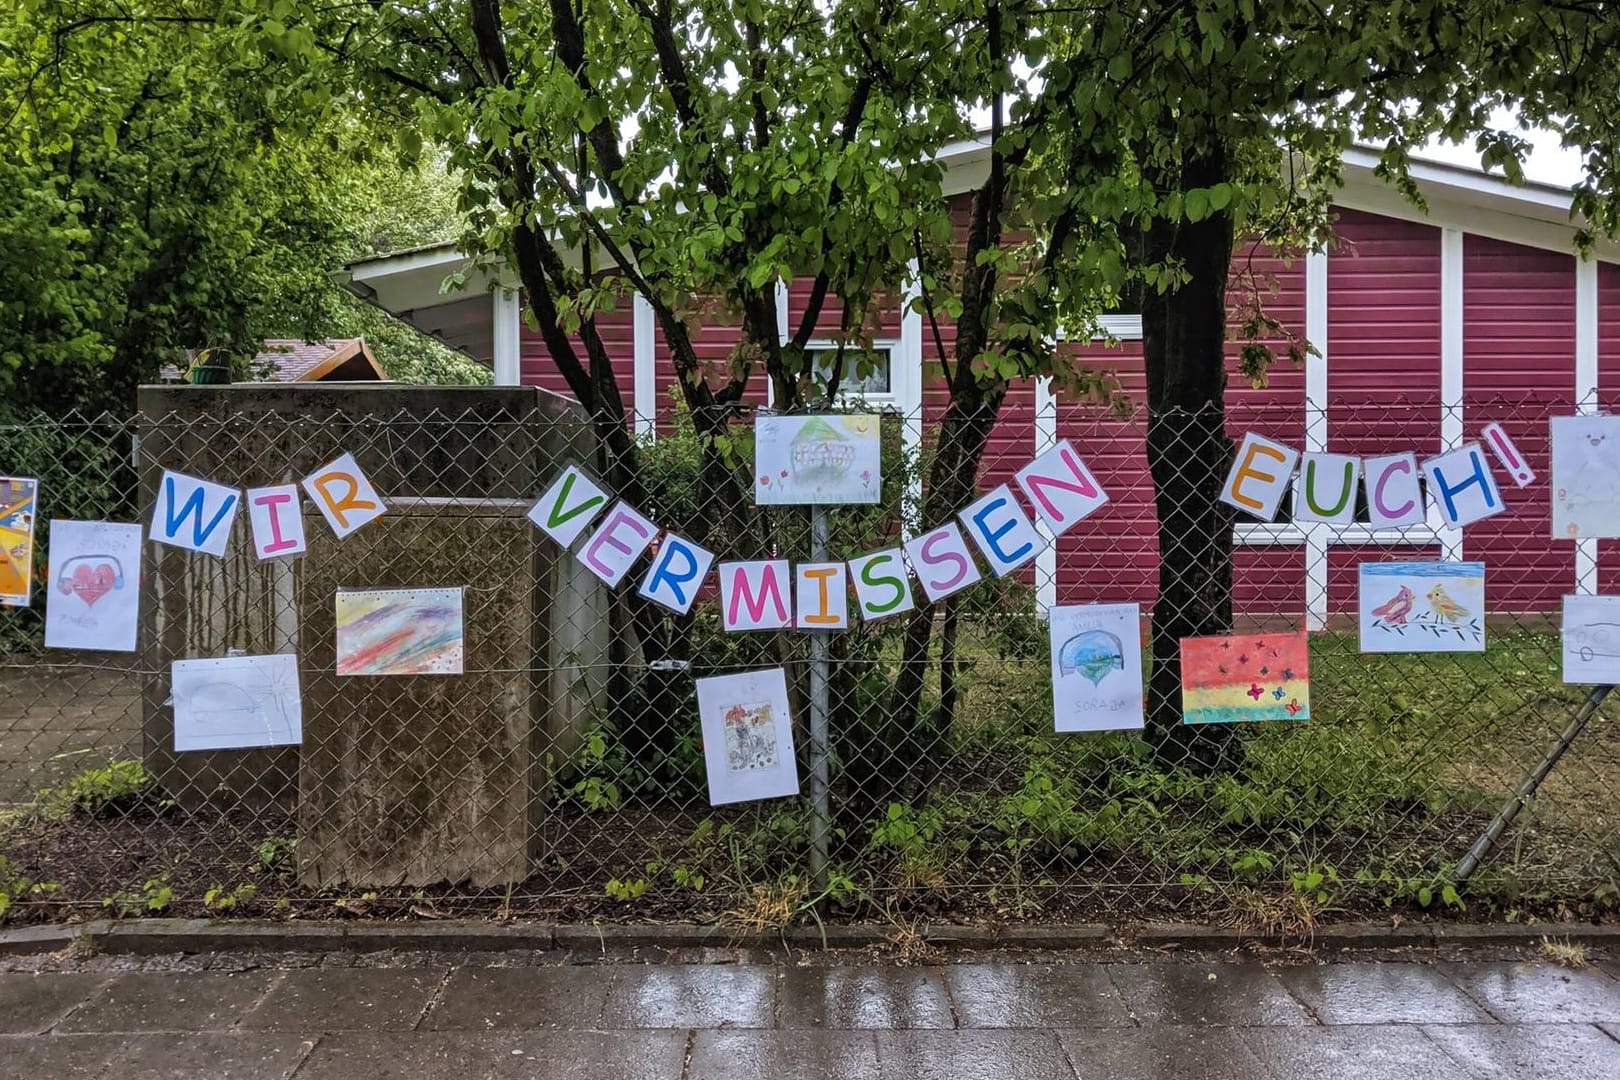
237, 702
1096, 667
1591, 636
747, 736
95, 586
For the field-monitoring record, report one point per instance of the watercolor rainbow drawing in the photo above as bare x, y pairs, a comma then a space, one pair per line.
1243, 678
399, 632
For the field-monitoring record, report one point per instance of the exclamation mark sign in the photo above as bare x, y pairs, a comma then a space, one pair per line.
1508, 455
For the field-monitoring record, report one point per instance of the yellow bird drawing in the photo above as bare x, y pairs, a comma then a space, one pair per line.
1444, 606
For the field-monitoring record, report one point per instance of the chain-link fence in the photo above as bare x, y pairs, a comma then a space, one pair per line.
562, 774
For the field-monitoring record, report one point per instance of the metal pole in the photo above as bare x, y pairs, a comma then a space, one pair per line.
1527, 790
820, 817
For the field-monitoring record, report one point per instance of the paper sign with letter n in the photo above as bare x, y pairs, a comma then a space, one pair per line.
882, 587
942, 560
194, 514
568, 506
277, 517
1461, 486
1259, 476
616, 544
345, 497
1061, 488
756, 595
1002, 530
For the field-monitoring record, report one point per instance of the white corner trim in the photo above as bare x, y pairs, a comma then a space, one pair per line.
907, 364
1046, 437
1318, 538
782, 311
506, 325
1451, 368
646, 370
1586, 395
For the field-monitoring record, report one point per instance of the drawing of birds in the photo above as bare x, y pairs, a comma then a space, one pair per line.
1444, 606
1396, 608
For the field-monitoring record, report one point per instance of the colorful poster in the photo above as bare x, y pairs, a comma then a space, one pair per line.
95, 584
1096, 667
399, 632
1591, 639
831, 460
1585, 477
1417, 607
18, 500
747, 736
236, 702
1241, 678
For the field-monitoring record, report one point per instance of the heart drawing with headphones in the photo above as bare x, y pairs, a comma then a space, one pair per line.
91, 582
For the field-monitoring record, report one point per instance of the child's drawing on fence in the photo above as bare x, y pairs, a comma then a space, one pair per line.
747, 736
17, 498
1414, 607
236, 702
1585, 477
1096, 667
1245, 677
95, 575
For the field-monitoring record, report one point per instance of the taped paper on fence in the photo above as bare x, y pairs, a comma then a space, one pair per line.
93, 600
1096, 667
1419, 607
821, 596
1591, 640
277, 516
194, 514
747, 736
399, 632
236, 702
1326, 488
1259, 476
1061, 488
1394, 496
882, 585
1002, 531
1245, 678
828, 460
756, 595
344, 496
1461, 486
676, 574
1585, 477
568, 506
617, 543
942, 561
18, 501
1507, 455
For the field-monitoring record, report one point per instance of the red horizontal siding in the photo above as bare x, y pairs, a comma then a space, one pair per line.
617, 327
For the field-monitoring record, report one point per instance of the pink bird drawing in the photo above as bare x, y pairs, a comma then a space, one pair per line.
1396, 608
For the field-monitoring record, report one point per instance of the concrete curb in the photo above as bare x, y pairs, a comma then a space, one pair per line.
145, 937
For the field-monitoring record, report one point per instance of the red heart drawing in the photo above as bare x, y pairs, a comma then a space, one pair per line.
91, 583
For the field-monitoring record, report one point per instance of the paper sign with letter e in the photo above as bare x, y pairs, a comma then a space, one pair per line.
756, 595
568, 506
95, 575
882, 585
1259, 476
821, 596
1585, 477
1394, 497
1507, 455
1591, 640
1096, 667
17, 498
345, 497
277, 517
1420, 607
942, 561
1326, 490
747, 736
677, 572
236, 702
194, 514
817, 459
1061, 488
1002, 531
1461, 486
616, 544
1245, 678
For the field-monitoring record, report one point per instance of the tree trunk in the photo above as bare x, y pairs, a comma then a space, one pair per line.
1189, 454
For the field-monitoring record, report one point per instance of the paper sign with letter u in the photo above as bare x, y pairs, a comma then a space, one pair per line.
345, 497
194, 514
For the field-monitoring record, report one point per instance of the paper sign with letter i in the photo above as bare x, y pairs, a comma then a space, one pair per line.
194, 514
277, 516
345, 497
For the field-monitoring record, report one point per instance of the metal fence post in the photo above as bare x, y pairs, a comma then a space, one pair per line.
820, 818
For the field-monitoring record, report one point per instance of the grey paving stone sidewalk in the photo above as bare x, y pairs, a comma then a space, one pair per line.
1188, 1018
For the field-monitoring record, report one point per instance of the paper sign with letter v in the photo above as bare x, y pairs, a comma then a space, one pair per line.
194, 514
568, 506
345, 497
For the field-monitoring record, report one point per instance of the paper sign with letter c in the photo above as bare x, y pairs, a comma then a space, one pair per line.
344, 496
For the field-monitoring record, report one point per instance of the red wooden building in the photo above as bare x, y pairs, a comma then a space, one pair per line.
1429, 325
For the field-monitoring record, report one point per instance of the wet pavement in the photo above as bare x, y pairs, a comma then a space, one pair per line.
719, 1015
